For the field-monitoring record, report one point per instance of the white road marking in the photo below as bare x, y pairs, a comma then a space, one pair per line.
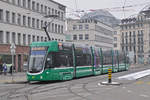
129, 91
136, 75
143, 95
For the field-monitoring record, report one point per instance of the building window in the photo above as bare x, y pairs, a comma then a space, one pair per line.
74, 37
126, 48
24, 3
29, 22
59, 14
13, 2
86, 36
115, 32
29, 4
13, 37
49, 11
45, 38
1, 36
115, 38
19, 38
115, 45
62, 29
7, 37
1, 15
80, 27
19, 2
41, 8
49, 27
41, 24
55, 12
29, 39
62, 15
45, 9
7, 16
38, 38
134, 49
33, 38
24, 20
42, 38
52, 11
13, 18
33, 22
24, 39
37, 23
33, 5
37, 7
52, 27
55, 28
74, 27
130, 48
86, 26
80, 36
7, 1
19, 19
58, 28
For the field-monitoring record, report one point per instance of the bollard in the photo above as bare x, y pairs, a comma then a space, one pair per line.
109, 75
109, 82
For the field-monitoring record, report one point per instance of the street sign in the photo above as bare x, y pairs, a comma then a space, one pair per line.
13, 49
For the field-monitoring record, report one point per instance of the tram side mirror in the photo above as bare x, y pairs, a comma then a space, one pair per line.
48, 59
48, 63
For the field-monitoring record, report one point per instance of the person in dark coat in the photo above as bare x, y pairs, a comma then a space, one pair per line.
1, 67
11, 69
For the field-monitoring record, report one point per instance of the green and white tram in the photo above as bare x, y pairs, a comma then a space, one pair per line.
64, 61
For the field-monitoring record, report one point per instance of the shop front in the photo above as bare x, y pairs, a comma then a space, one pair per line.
20, 58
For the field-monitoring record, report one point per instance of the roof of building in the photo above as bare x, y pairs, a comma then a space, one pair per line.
103, 16
57, 3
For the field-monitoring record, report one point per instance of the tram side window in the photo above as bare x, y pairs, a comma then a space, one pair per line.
121, 58
107, 58
96, 59
115, 59
83, 60
62, 60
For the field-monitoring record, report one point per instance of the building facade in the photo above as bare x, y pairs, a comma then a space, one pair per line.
117, 39
89, 32
22, 21
135, 37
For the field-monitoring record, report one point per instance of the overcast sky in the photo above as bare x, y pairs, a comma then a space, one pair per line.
103, 4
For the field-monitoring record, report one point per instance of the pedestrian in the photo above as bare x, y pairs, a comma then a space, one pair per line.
11, 69
1, 67
5, 68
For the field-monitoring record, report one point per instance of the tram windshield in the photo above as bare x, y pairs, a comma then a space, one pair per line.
36, 60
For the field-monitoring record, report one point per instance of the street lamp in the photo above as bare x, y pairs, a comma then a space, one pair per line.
13, 51
46, 25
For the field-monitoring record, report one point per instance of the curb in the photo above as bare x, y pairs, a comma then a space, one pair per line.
112, 83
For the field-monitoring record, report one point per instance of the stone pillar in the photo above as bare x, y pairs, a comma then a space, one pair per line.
16, 63
22, 62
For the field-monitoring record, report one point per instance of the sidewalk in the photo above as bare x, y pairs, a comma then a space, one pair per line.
16, 77
139, 65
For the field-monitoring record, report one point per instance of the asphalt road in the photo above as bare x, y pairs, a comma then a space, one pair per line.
87, 88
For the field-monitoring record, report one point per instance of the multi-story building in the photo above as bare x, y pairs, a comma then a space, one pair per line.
22, 21
90, 32
135, 36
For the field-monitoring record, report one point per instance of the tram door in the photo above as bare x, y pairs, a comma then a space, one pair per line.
19, 63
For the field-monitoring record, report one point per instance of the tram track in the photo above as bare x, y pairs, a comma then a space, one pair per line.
27, 90
84, 88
